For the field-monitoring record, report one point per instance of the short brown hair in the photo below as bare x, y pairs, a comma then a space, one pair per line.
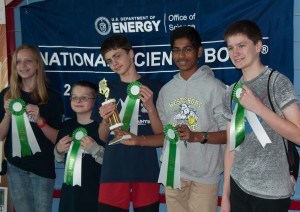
244, 27
115, 42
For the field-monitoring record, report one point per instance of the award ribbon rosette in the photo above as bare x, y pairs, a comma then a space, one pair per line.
170, 169
74, 158
24, 142
132, 102
237, 124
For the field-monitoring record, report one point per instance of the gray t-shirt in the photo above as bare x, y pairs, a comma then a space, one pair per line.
258, 171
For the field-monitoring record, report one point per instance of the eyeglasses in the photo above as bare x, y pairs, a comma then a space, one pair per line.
80, 98
186, 50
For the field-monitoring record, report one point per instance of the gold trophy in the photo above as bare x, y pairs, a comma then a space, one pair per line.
114, 119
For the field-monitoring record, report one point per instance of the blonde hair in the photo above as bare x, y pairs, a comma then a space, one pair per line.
39, 92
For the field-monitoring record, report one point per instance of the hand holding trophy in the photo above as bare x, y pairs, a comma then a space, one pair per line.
114, 120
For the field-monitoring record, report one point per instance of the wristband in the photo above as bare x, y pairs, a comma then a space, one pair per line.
43, 124
205, 137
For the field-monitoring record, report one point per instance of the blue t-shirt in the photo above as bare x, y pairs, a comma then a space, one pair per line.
123, 163
41, 163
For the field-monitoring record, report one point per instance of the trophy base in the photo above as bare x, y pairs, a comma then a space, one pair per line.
116, 126
118, 140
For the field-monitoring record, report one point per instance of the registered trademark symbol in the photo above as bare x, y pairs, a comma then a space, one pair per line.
264, 49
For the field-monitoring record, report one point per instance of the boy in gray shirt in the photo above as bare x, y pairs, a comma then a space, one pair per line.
192, 100
257, 178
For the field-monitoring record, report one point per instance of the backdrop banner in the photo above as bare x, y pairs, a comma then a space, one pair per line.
69, 34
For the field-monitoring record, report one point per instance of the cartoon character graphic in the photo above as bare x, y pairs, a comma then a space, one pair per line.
186, 115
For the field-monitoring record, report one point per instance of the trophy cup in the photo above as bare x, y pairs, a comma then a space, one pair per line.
114, 119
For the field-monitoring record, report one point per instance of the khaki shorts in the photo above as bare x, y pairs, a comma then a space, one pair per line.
193, 197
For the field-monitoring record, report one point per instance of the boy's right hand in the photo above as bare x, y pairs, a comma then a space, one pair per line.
64, 144
106, 111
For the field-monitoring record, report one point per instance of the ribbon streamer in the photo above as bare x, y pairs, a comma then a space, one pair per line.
170, 169
73, 168
239, 116
24, 142
237, 124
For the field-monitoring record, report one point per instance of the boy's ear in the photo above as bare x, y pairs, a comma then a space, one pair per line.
200, 51
258, 46
131, 53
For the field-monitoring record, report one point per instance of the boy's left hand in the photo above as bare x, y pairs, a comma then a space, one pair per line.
133, 141
185, 134
249, 100
146, 95
86, 143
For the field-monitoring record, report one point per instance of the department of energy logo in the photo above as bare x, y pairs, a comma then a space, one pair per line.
103, 26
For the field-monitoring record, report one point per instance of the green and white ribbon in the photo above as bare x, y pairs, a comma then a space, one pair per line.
237, 129
74, 159
129, 113
237, 124
170, 169
24, 142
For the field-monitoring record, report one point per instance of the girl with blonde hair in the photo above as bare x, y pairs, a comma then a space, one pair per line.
30, 115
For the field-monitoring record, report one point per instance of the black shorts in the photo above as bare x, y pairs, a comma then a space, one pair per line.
243, 202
